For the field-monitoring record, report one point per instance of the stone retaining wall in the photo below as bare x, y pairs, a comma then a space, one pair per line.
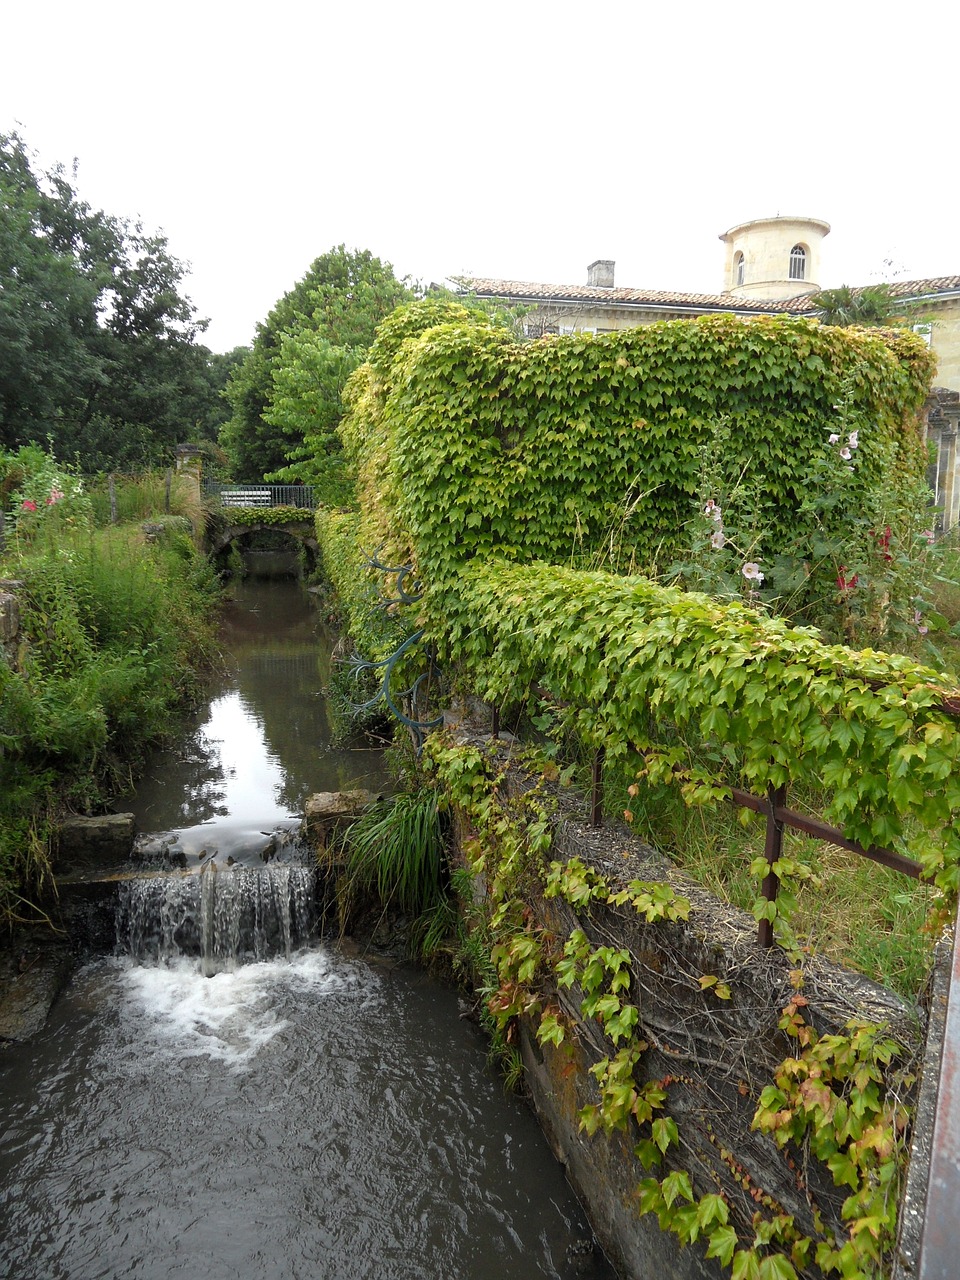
717, 1054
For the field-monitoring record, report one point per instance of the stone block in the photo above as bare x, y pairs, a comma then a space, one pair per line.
9, 617
98, 843
327, 810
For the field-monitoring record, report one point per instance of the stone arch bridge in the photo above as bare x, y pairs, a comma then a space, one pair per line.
252, 509
238, 531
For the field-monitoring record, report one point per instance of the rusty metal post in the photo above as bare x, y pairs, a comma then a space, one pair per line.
596, 796
776, 798
112, 488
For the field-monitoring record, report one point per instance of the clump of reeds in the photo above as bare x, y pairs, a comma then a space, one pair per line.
395, 850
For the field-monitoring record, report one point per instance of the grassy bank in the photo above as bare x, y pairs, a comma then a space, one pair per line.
114, 633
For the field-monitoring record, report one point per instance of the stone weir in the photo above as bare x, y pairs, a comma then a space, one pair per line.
713, 1055
100, 865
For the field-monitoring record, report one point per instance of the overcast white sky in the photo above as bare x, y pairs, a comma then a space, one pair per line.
506, 139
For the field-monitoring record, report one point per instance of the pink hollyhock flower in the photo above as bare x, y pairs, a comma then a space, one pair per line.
883, 542
712, 510
853, 439
845, 454
833, 438
751, 571
718, 540
55, 496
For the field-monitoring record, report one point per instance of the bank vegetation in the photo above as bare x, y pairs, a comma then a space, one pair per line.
705, 549
110, 629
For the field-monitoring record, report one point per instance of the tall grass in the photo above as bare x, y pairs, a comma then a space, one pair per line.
115, 632
144, 497
395, 850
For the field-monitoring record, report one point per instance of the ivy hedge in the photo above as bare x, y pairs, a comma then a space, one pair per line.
710, 696
253, 517
590, 449
358, 587
526, 484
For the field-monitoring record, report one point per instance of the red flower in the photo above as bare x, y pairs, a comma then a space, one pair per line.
843, 582
28, 505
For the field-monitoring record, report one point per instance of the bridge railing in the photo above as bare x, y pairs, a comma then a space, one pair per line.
260, 495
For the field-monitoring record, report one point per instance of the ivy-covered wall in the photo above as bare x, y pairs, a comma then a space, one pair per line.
710, 696
530, 486
591, 450
652, 1031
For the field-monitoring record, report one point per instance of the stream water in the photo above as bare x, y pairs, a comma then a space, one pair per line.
297, 1113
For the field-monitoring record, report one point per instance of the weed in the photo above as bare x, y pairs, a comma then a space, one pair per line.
395, 849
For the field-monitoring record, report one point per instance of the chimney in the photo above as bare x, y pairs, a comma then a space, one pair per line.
600, 273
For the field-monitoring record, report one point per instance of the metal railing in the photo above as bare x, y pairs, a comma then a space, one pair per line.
261, 495
774, 808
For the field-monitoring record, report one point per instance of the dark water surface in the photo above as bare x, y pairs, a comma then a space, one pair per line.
249, 759
314, 1117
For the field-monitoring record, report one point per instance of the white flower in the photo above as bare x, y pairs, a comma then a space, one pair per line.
751, 571
853, 439
718, 540
845, 454
712, 510
834, 439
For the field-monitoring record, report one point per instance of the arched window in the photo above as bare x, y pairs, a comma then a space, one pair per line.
798, 262
738, 267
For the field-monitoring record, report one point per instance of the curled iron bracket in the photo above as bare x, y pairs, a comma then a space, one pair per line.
402, 572
418, 728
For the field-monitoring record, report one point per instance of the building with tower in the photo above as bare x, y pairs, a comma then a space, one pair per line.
771, 267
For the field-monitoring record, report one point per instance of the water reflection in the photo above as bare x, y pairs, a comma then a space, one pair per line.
248, 762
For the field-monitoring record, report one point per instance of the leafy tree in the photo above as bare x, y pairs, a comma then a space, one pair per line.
288, 388
98, 347
308, 380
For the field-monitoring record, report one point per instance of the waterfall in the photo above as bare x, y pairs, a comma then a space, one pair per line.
225, 915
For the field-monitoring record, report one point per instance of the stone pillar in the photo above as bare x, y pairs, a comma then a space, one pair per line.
190, 463
9, 620
948, 487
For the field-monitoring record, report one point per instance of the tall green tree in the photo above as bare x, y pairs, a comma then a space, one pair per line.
287, 391
98, 345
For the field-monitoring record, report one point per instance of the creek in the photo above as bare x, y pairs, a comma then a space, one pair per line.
233, 1097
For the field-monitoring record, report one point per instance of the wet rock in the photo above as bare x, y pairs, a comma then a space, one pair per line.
325, 811
85, 844
30, 981
152, 849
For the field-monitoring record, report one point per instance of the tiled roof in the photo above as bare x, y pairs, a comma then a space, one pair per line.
924, 288
527, 291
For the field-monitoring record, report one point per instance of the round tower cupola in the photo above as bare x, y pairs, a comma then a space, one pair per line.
774, 257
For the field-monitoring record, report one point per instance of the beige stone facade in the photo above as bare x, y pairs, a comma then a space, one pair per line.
773, 258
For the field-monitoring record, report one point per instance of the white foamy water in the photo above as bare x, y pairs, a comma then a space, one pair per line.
231, 1017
